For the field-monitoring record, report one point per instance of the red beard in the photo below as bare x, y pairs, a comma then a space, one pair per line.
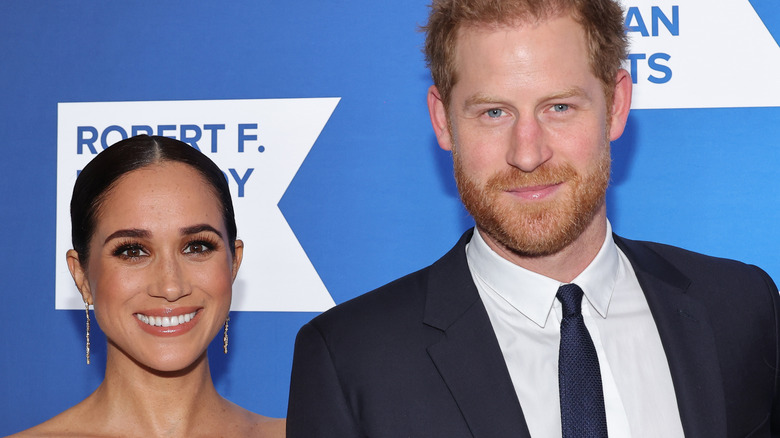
535, 228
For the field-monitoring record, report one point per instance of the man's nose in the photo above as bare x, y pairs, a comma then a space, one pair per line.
528, 146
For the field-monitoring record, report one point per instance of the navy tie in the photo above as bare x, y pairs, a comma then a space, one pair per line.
579, 378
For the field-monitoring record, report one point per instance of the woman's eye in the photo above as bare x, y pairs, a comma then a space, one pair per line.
131, 252
494, 113
560, 107
197, 248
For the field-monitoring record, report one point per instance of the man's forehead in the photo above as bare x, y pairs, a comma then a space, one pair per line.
489, 35
524, 21
476, 37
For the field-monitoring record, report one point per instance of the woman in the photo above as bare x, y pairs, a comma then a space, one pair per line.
155, 252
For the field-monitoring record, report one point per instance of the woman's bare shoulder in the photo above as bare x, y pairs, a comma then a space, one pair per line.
268, 427
77, 421
251, 425
233, 420
256, 425
64, 425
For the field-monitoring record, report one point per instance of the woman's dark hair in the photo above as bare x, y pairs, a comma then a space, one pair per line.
101, 174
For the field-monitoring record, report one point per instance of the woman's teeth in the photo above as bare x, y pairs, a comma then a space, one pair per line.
166, 321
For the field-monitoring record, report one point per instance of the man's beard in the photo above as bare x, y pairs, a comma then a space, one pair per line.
536, 228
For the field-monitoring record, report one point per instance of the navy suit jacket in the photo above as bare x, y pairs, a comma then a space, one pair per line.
418, 357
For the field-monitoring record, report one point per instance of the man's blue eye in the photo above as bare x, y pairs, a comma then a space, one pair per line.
560, 107
494, 113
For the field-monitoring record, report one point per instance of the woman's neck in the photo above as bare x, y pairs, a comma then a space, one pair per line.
154, 403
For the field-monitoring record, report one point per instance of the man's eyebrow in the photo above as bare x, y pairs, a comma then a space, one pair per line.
131, 232
486, 99
480, 99
569, 92
195, 229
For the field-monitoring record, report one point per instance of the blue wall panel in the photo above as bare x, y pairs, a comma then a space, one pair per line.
373, 200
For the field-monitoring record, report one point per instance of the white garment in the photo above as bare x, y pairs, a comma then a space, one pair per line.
638, 392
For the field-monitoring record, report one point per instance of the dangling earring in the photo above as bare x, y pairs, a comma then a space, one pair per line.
86, 304
224, 337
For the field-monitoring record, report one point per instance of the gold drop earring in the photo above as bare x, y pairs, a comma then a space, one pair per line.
225, 336
86, 305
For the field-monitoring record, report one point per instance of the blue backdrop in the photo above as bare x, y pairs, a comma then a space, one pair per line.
374, 198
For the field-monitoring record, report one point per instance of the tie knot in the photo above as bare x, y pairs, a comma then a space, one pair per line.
570, 296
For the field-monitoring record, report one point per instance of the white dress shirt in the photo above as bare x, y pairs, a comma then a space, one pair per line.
638, 392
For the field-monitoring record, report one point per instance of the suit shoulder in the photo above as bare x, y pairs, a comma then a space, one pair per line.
399, 299
691, 264
679, 256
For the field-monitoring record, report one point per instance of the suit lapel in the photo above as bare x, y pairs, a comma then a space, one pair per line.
468, 356
687, 338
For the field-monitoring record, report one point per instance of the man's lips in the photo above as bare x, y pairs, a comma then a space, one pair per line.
536, 192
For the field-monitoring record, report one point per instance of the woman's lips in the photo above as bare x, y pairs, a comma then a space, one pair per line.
168, 322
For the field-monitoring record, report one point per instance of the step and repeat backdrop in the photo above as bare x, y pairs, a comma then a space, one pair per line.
315, 110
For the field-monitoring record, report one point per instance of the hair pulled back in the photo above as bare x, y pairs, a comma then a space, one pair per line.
100, 175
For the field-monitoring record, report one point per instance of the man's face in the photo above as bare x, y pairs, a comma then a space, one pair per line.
529, 132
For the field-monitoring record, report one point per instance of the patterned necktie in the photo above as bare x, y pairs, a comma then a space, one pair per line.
579, 378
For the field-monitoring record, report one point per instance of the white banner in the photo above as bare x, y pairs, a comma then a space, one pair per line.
258, 144
701, 54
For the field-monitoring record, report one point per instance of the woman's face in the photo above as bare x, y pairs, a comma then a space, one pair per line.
160, 270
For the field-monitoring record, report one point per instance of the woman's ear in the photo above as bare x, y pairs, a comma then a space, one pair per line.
239, 254
79, 275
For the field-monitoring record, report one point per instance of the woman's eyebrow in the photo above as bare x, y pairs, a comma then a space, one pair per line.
131, 232
195, 229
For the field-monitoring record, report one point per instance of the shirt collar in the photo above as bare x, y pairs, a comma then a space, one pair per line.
533, 294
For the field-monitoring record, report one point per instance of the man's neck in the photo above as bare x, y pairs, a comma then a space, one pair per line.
566, 264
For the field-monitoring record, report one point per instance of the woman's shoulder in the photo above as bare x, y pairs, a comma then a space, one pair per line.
256, 425
247, 424
232, 420
267, 427
42, 430
64, 425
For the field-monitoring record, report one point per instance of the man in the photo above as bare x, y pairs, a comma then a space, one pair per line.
491, 340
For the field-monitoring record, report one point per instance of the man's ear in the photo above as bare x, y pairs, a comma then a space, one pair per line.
79, 274
237, 257
439, 119
621, 104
